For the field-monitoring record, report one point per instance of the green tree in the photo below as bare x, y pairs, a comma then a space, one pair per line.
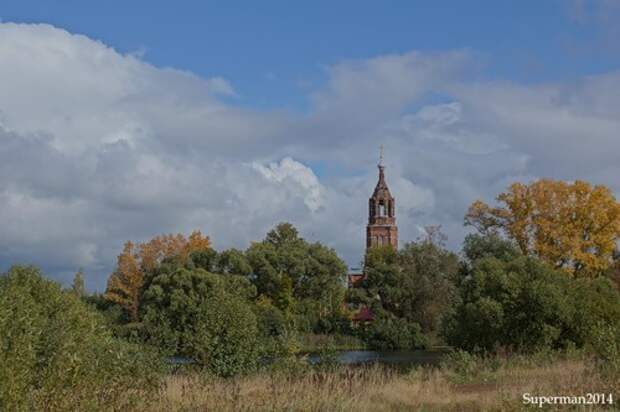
519, 303
233, 262
137, 262
477, 246
413, 286
510, 300
297, 276
204, 316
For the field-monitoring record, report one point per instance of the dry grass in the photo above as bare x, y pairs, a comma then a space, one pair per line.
379, 388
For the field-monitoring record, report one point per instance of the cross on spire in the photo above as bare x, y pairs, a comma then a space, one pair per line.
381, 155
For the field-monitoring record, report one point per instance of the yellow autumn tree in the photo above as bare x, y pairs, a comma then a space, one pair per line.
572, 226
125, 283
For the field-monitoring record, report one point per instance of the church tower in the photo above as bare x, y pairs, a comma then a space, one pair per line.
381, 229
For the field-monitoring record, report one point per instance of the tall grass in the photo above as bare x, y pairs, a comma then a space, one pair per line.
483, 384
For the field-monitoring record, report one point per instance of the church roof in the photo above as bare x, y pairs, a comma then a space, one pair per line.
381, 190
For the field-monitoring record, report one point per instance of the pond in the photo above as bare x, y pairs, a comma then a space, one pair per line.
404, 358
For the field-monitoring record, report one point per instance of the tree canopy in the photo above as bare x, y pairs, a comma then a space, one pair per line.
297, 275
511, 300
408, 290
572, 226
136, 260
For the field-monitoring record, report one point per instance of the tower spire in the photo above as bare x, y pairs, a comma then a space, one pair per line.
381, 229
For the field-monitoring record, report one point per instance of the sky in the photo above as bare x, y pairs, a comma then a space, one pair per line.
123, 120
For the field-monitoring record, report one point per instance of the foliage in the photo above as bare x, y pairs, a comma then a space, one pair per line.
204, 316
476, 247
125, 283
233, 262
78, 284
428, 271
136, 261
271, 321
225, 336
409, 291
388, 332
519, 302
571, 226
605, 346
461, 366
593, 302
297, 276
57, 354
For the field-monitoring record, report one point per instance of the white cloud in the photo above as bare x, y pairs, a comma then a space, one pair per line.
98, 147
296, 178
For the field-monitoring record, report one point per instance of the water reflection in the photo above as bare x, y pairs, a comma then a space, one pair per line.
407, 358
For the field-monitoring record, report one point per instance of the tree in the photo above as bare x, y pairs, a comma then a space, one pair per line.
520, 304
204, 316
412, 287
137, 262
571, 226
125, 282
297, 275
511, 300
234, 262
78, 284
477, 246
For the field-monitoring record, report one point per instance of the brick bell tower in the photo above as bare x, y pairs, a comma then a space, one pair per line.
381, 229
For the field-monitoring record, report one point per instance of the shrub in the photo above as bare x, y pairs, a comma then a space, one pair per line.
605, 345
203, 316
271, 320
57, 354
389, 333
224, 336
461, 366
520, 303
594, 302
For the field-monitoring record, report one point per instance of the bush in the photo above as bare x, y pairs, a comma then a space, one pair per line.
224, 336
271, 320
605, 346
594, 302
390, 333
520, 304
58, 354
203, 316
517, 302
461, 366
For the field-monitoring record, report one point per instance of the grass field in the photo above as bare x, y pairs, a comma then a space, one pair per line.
496, 384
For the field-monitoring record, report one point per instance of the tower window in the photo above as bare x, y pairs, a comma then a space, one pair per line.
381, 208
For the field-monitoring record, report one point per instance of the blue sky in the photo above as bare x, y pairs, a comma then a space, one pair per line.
274, 52
124, 120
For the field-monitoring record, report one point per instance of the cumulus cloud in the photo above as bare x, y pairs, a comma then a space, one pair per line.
99, 147
293, 176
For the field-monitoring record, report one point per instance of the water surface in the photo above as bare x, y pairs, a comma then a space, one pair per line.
404, 357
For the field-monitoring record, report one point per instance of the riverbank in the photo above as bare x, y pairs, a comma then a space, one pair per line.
464, 384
